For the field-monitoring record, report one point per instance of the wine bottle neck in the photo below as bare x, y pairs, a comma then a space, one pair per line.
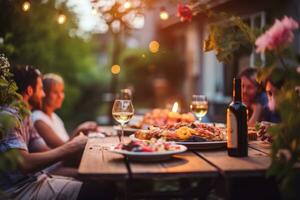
237, 90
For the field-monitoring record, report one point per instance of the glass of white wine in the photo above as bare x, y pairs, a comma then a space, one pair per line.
122, 111
199, 106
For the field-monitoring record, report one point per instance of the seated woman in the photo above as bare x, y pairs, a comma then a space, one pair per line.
47, 122
253, 96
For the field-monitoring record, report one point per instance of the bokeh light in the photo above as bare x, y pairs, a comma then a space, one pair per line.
127, 5
26, 6
164, 15
115, 69
61, 18
154, 46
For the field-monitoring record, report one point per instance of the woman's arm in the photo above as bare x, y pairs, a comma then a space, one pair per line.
256, 115
48, 134
85, 128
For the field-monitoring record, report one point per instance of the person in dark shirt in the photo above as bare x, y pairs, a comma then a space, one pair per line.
274, 82
253, 95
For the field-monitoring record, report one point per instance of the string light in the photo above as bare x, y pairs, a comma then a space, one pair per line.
164, 15
127, 5
26, 6
61, 18
115, 69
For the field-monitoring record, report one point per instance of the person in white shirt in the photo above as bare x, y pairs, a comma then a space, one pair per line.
48, 124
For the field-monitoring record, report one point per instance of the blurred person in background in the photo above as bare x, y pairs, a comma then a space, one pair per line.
271, 116
274, 83
48, 124
252, 95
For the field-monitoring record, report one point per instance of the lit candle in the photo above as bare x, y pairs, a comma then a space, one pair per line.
174, 115
175, 107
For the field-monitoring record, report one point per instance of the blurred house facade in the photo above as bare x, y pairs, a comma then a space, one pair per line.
203, 73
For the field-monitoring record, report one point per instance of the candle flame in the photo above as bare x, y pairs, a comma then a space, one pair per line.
175, 107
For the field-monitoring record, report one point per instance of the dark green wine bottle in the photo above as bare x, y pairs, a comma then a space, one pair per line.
237, 130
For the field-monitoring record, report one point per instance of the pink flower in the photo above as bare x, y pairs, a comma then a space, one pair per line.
262, 42
279, 34
290, 23
184, 12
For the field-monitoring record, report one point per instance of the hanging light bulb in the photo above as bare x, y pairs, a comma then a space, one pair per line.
61, 18
26, 6
164, 15
127, 5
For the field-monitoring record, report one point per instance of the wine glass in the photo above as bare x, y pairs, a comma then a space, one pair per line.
199, 106
122, 111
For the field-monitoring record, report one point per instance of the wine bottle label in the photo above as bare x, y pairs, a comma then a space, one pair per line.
232, 139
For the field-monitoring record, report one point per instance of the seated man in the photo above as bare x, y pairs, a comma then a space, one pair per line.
27, 181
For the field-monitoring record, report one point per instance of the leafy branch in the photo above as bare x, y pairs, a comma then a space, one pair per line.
227, 40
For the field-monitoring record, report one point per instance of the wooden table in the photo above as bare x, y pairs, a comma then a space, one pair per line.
99, 164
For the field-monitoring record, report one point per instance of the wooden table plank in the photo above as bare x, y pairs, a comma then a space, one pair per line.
97, 162
255, 164
264, 147
186, 164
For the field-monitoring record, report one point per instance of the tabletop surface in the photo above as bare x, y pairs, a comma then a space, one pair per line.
98, 162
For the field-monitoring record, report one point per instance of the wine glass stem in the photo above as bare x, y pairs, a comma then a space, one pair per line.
199, 119
122, 134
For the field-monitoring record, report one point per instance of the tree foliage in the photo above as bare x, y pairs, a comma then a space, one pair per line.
35, 38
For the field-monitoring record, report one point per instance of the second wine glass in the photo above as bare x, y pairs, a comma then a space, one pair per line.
122, 112
199, 106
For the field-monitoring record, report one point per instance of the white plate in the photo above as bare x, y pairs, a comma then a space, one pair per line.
196, 145
148, 156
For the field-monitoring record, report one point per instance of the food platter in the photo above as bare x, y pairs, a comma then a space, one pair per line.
196, 145
149, 156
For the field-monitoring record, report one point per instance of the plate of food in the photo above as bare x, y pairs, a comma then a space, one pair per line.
148, 151
192, 135
157, 118
160, 117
